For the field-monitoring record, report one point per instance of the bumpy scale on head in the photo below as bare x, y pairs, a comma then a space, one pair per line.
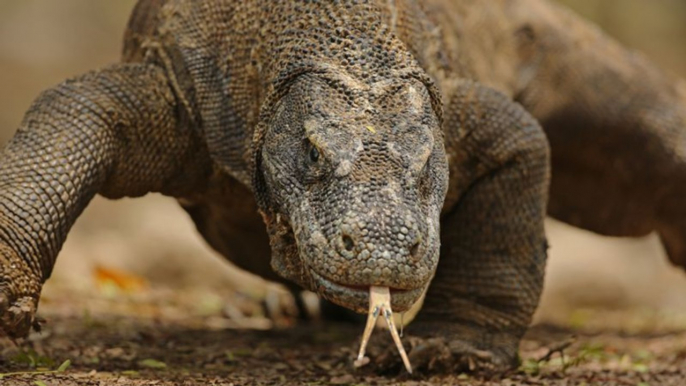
351, 158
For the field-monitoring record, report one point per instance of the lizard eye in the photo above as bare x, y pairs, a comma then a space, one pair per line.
314, 163
314, 153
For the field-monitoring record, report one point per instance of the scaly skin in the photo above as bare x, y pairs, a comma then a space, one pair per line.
356, 129
93, 134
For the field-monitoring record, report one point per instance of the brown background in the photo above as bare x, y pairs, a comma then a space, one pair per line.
44, 41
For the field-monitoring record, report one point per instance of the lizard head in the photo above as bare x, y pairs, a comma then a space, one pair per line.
351, 179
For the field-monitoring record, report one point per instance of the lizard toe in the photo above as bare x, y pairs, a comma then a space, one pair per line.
428, 354
17, 318
437, 355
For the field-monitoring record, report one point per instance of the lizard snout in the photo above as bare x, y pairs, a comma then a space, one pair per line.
391, 246
405, 241
373, 239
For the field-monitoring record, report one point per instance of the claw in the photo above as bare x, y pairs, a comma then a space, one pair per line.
380, 302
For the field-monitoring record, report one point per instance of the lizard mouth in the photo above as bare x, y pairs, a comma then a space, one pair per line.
356, 297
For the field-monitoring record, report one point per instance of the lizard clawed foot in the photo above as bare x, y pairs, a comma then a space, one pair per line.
19, 291
440, 354
17, 318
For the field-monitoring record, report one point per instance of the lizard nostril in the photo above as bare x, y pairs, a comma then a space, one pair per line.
414, 250
348, 243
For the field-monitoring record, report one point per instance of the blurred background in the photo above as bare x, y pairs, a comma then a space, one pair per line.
151, 243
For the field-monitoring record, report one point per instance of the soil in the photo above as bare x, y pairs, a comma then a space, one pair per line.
181, 339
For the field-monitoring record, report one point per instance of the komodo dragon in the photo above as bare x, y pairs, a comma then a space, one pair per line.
355, 130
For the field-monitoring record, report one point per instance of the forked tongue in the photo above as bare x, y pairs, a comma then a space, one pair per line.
380, 303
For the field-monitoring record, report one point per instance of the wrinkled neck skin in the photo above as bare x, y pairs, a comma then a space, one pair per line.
348, 167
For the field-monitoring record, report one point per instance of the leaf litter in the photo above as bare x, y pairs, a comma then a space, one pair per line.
119, 349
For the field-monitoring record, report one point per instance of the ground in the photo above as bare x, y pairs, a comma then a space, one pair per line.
174, 338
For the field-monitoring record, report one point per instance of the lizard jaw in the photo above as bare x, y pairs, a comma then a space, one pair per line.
356, 297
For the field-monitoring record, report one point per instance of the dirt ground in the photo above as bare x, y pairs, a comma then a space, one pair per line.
174, 338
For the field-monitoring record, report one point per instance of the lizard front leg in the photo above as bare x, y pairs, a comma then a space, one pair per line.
616, 126
116, 132
493, 252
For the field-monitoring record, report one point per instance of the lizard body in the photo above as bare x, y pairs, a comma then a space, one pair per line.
371, 137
